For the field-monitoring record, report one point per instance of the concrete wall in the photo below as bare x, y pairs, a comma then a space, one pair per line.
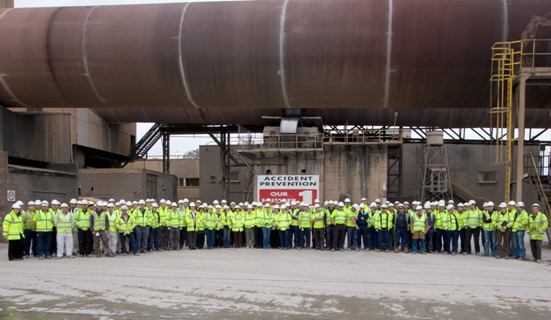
354, 171
42, 137
128, 184
345, 171
465, 161
3, 182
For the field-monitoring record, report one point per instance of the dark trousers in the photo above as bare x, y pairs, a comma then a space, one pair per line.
339, 232
200, 239
220, 238
535, 246
463, 237
384, 239
53, 241
211, 238
295, 233
164, 238
429, 237
285, 239
274, 239
362, 237
319, 235
304, 238
101, 236
237, 239
473, 233
43, 242
154, 239
173, 239
226, 237
503, 246
329, 236
258, 237
192, 240
131, 240
372, 238
15, 249
183, 236
454, 235
30, 240
402, 239
84, 241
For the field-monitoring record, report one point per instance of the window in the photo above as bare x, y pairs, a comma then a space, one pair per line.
234, 176
487, 176
181, 182
191, 182
212, 179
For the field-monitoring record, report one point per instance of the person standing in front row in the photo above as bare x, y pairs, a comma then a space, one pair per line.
12, 229
419, 226
537, 224
64, 223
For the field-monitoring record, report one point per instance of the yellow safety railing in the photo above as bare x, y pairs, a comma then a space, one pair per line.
509, 60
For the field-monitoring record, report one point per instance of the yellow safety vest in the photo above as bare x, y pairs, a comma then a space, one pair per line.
12, 228
64, 223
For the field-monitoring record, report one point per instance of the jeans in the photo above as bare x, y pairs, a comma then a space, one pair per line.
518, 244
183, 236
421, 243
30, 240
384, 239
447, 240
454, 235
284, 239
266, 237
463, 237
43, 241
210, 238
352, 236
372, 238
490, 240
226, 237
142, 236
362, 236
304, 239
132, 241
296, 235
329, 236
64, 244
401, 239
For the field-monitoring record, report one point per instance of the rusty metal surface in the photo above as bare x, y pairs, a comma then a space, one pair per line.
453, 118
232, 62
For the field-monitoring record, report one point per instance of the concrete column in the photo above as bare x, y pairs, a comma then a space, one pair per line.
520, 139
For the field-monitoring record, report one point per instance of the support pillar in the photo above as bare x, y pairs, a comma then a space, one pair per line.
166, 152
520, 139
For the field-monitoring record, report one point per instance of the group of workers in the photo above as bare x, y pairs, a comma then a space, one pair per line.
84, 227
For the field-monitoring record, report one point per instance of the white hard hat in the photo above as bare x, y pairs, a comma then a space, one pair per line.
64, 205
347, 200
460, 205
215, 202
276, 206
451, 201
383, 206
520, 204
400, 205
168, 202
223, 201
15, 206
391, 204
174, 204
44, 203
30, 203
372, 205
180, 201
155, 205
536, 205
363, 199
405, 202
192, 204
503, 205
209, 207
377, 201
450, 206
441, 203
124, 208
250, 206
143, 202
186, 200
226, 208
512, 203
232, 203
283, 207
134, 202
110, 205
427, 205
73, 201
418, 208
128, 203
317, 201
316, 205
326, 203
218, 206
362, 205
341, 204
490, 204
485, 204
471, 202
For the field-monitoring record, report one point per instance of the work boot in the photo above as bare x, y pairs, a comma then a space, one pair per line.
406, 250
396, 250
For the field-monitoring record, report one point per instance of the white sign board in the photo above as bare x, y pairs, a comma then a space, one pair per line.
11, 195
300, 188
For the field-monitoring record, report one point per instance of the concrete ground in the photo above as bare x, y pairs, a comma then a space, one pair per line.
254, 283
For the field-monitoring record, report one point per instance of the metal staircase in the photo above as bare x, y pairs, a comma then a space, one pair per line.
145, 144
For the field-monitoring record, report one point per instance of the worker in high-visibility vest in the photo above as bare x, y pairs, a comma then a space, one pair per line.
489, 221
249, 225
44, 224
81, 216
210, 227
142, 218
29, 230
473, 226
283, 221
237, 224
318, 227
520, 224
64, 222
112, 233
383, 227
419, 227
99, 223
125, 225
192, 221
537, 224
504, 225
304, 225
183, 210
12, 229
294, 229
329, 224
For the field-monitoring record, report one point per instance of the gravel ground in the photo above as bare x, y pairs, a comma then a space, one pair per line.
254, 283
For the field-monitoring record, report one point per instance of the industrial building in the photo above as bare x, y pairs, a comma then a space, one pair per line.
380, 99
